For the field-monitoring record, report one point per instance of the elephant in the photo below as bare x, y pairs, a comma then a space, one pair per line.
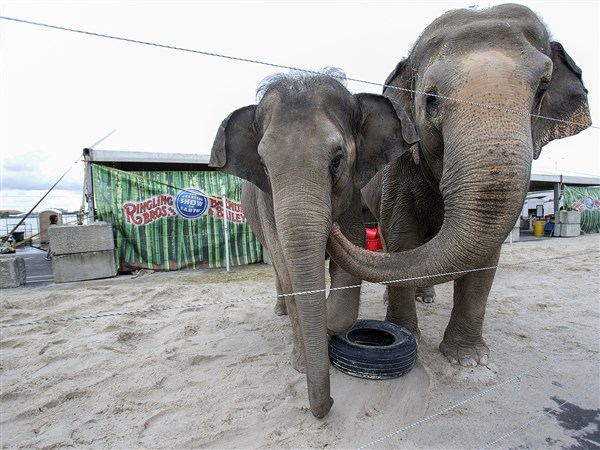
305, 150
486, 90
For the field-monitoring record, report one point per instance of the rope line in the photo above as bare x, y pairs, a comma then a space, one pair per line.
278, 66
264, 297
516, 378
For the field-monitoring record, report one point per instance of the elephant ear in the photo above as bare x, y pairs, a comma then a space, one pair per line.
387, 133
399, 85
565, 100
235, 149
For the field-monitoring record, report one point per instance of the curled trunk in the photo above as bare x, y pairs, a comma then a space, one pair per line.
482, 200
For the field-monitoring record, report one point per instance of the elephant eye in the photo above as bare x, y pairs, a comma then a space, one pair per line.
336, 163
432, 105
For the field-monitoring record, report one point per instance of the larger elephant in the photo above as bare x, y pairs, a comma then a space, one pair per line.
307, 148
486, 90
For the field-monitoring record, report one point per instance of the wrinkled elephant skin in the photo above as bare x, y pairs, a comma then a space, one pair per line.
486, 90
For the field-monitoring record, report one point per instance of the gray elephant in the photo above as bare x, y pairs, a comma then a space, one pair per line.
486, 90
307, 148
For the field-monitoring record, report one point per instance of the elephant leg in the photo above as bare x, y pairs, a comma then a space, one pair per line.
343, 304
425, 294
402, 309
284, 286
259, 214
280, 304
287, 305
297, 359
463, 339
400, 232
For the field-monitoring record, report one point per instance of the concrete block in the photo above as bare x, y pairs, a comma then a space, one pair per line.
71, 239
84, 266
570, 217
12, 271
514, 235
557, 229
570, 229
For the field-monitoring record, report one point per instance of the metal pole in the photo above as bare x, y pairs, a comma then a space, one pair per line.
557, 187
89, 185
225, 225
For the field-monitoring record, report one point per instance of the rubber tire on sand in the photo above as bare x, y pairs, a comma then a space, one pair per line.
374, 349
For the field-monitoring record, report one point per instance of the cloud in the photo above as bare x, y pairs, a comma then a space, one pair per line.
37, 171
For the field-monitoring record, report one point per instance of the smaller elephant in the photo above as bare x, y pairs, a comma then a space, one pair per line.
306, 149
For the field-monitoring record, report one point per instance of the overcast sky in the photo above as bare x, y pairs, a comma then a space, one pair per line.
62, 92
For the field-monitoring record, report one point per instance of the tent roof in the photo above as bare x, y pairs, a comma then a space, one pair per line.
541, 181
148, 161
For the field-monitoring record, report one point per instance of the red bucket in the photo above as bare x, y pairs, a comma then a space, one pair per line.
373, 239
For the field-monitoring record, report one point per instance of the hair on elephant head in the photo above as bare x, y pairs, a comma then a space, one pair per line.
306, 148
486, 90
296, 100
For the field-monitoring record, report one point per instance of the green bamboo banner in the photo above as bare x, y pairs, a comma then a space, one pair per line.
586, 200
163, 221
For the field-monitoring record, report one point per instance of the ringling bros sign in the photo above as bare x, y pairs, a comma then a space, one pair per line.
167, 220
586, 200
190, 203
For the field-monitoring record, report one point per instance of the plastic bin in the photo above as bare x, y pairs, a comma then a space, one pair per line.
538, 227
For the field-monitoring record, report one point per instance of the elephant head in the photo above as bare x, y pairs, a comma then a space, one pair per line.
486, 90
309, 144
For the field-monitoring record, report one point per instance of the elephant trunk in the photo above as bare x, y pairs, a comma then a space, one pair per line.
303, 226
483, 184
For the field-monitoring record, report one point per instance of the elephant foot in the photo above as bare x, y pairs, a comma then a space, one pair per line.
465, 355
337, 331
417, 334
425, 295
297, 362
280, 307
412, 327
335, 328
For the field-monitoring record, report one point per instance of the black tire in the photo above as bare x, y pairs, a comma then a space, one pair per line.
374, 349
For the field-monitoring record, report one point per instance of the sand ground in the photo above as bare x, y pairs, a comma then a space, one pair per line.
217, 375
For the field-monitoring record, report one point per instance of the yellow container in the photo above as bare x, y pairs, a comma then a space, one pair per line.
538, 227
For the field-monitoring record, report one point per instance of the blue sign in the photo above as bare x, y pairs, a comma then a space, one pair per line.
589, 203
191, 203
